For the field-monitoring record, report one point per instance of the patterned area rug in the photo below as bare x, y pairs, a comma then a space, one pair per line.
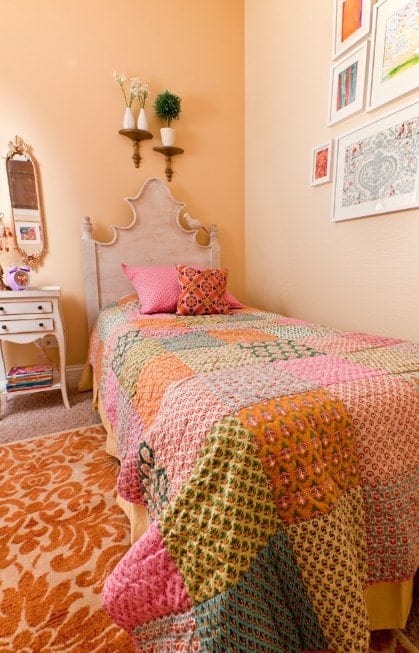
61, 534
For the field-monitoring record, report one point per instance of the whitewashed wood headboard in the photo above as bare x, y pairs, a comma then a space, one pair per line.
154, 237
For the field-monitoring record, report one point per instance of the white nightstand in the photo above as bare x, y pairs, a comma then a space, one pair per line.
26, 316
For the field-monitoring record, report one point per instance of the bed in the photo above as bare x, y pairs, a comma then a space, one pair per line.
268, 464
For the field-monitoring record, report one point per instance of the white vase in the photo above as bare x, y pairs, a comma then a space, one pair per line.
128, 121
167, 135
142, 122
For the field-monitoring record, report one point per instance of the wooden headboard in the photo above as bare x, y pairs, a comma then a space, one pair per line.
154, 237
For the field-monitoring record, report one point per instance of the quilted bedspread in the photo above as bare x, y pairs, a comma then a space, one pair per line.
277, 461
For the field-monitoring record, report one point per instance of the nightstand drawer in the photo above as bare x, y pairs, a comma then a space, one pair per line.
26, 326
24, 307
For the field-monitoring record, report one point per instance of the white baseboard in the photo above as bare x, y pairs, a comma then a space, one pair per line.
73, 373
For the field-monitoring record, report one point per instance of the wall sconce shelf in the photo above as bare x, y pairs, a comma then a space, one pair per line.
136, 135
168, 152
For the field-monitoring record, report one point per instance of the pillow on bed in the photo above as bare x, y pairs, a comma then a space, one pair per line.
202, 291
233, 302
157, 287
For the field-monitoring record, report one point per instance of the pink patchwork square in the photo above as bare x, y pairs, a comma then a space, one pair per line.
326, 370
147, 580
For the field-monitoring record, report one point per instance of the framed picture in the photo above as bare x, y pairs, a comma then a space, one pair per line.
394, 63
351, 23
347, 85
28, 233
376, 169
321, 164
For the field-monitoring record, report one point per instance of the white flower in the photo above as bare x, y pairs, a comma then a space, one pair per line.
142, 94
137, 90
135, 85
120, 79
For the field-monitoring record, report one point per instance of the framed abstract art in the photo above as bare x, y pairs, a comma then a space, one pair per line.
321, 161
394, 60
351, 23
376, 166
347, 85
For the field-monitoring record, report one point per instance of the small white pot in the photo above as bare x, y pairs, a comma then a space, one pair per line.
167, 135
128, 121
142, 122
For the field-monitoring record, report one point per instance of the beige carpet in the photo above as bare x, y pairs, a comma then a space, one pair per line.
26, 416
61, 534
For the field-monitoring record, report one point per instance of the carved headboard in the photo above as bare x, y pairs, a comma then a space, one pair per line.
154, 237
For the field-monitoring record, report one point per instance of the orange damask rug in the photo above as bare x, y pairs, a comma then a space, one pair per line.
61, 534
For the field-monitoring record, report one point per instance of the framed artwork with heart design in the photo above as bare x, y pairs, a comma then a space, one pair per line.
376, 166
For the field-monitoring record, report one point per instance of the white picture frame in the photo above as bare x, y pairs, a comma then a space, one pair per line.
28, 233
347, 85
321, 164
351, 23
376, 166
394, 57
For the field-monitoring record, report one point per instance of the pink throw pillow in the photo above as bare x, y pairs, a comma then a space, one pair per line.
233, 302
202, 291
157, 287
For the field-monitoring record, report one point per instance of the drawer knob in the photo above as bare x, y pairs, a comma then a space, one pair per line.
39, 307
1, 308
4, 327
41, 324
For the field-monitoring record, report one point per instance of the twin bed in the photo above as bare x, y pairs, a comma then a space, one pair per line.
267, 463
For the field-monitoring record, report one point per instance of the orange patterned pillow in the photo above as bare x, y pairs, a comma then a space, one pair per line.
202, 291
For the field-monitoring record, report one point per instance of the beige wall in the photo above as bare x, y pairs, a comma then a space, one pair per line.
359, 274
57, 92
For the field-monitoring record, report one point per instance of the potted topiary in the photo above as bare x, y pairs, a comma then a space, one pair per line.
167, 108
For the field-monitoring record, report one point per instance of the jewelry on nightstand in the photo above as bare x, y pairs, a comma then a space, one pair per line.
6, 235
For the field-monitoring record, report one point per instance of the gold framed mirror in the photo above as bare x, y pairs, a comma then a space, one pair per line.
25, 202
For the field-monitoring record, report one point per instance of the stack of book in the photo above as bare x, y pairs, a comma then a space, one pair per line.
30, 376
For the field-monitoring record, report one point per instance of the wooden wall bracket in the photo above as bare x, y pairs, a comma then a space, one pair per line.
136, 135
168, 152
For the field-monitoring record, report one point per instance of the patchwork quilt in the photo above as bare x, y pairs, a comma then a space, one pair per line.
278, 462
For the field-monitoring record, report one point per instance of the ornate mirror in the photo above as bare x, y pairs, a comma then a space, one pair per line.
25, 202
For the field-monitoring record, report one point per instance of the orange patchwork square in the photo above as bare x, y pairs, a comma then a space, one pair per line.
306, 445
152, 322
153, 381
241, 335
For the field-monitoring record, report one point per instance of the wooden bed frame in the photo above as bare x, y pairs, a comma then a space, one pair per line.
154, 237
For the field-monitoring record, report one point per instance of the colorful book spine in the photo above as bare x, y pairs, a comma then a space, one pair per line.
30, 376
29, 370
23, 386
